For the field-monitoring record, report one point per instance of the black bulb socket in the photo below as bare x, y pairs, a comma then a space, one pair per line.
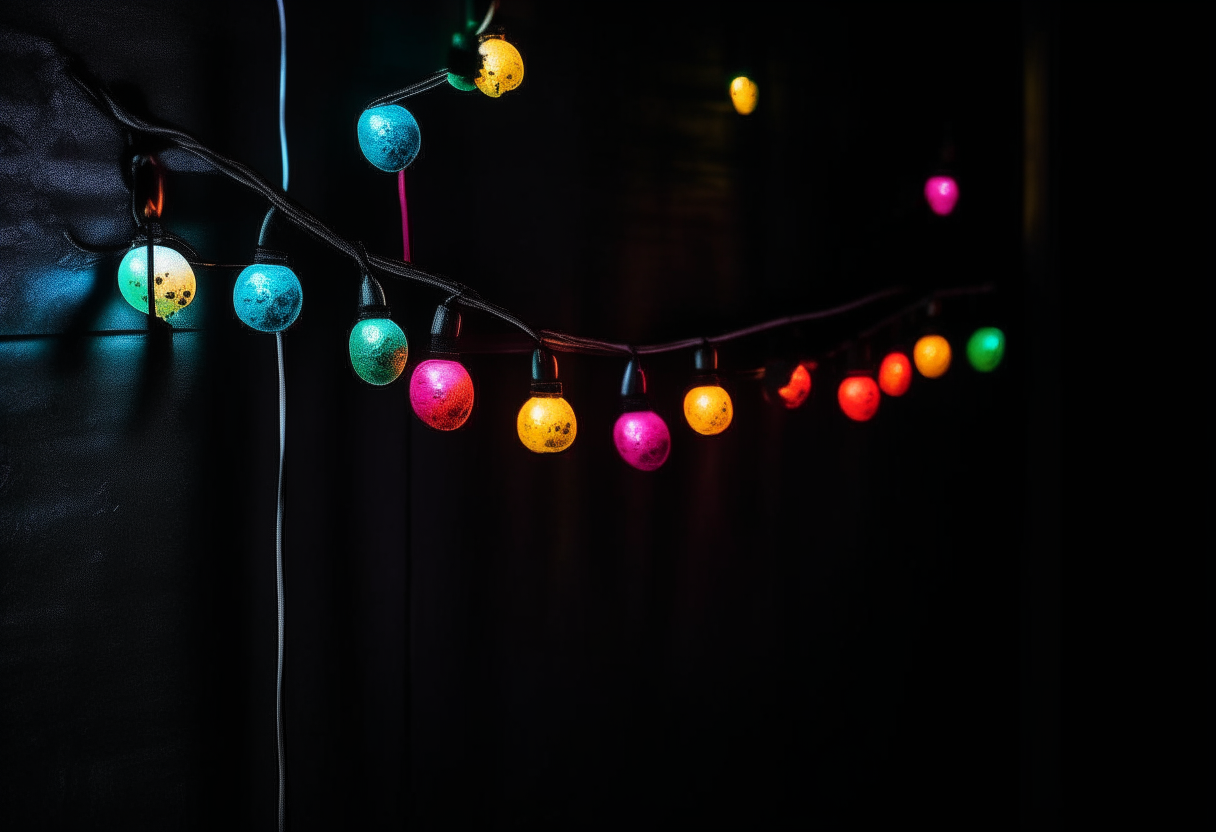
372, 302
633, 388
445, 330
544, 374
705, 367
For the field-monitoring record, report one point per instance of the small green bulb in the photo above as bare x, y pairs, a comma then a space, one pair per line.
378, 350
986, 349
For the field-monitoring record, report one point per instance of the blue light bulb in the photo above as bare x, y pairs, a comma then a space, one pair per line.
267, 297
389, 137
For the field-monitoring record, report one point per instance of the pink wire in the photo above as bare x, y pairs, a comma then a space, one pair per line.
405, 215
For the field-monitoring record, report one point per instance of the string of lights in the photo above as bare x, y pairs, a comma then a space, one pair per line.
268, 295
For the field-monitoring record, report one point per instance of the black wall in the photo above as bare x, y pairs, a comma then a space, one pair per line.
802, 622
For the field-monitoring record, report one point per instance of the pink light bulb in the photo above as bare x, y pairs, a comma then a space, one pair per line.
942, 193
441, 393
642, 439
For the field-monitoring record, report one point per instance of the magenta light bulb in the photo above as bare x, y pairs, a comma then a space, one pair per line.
942, 193
441, 393
642, 439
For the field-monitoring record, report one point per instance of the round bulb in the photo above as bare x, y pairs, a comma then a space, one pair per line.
502, 67
173, 281
267, 297
708, 409
986, 348
378, 350
743, 94
942, 193
932, 356
389, 137
546, 424
858, 397
895, 374
441, 393
799, 387
642, 439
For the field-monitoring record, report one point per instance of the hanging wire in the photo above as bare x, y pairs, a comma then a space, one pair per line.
437, 80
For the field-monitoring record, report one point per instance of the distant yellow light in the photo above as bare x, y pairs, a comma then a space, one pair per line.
546, 424
932, 356
708, 409
502, 67
743, 94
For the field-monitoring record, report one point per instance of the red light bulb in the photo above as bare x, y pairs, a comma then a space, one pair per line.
895, 374
858, 397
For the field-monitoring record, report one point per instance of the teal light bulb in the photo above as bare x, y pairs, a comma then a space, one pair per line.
986, 348
378, 350
172, 281
389, 137
267, 297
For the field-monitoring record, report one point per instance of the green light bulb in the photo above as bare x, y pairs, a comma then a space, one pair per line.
986, 348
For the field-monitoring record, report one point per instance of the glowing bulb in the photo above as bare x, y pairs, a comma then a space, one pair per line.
546, 424
986, 348
708, 409
799, 387
502, 67
173, 280
267, 297
642, 439
895, 374
378, 350
858, 397
441, 393
389, 137
942, 193
932, 356
743, 94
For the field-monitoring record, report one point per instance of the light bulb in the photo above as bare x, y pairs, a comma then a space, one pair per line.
378, 350
708, 409
986, 348
640, 435
932, 356
546, 424
642, 439
895, 374
502, 67
389, 137
173, 280
267, 297
858, 397
797, 389
941, 193
441, 393
743, 94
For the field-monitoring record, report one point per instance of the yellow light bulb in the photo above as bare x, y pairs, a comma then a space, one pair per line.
743, 94
502, 67
708, 409
546, 424
932, 356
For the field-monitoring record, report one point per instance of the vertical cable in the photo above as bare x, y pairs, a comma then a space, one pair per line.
278, 533
405, 215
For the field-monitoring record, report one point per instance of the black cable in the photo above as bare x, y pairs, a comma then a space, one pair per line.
437, 80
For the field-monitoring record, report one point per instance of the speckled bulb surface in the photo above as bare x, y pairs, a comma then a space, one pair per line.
859, 398
986, 348
895, 374
267, 297
932, 356
173, 280
389, 137
744, 94
441, 393
642, 439
708, 409
546, 424
378, 350
502, 67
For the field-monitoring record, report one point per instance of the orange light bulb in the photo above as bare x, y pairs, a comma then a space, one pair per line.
895, 374
932, 356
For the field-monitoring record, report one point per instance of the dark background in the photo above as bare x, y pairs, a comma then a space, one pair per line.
801, 622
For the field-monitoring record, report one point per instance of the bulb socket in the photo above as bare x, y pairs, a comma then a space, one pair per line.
544, 374
445, 330
372, 302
